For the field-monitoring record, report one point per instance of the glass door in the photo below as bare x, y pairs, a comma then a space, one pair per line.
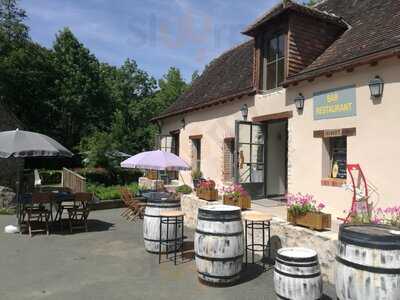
250, 157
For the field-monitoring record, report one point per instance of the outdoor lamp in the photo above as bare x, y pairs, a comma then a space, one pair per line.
299, 101
245, 111
376, 86
183, 122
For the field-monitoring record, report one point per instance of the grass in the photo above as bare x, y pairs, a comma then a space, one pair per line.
110, 192
7, 211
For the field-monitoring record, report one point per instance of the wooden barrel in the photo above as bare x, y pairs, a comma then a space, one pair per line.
368, 262
151, 224
218, 244
297, 274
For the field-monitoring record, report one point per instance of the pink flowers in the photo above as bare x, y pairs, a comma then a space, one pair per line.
301, 204
388, 216
235, 190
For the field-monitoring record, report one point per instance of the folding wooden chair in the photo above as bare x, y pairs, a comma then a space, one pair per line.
78, 214
135, 209
38, 212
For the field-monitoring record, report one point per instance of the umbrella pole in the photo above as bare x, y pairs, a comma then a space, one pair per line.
17, 193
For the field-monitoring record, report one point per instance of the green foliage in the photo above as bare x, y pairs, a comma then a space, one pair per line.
50, 177
12, 18
117, 176
184, 189
311, 2
66, 93
197, 174
111, 192
82, 102
94, 149
195, 76
7, 211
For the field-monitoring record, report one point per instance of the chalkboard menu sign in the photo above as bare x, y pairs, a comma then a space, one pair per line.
339, 157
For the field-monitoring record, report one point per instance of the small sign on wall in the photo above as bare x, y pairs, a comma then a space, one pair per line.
337, 103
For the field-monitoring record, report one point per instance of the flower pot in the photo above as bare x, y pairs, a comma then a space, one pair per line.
312, 220
242, 202
207, 194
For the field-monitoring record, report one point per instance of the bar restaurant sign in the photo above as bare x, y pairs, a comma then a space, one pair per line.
337, 103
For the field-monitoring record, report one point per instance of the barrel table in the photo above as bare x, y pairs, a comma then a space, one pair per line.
151, 224
297, 274
368, 263
218, 244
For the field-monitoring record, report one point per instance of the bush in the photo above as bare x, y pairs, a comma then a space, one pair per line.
50, 177
110, 192
184, 189
118, 176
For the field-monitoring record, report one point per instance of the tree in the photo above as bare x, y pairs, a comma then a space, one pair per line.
12, 21
311, 2
171, 86
195, 76
26, 70
82, 101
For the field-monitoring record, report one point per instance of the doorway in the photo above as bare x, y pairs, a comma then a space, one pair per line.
276, 158
261, 157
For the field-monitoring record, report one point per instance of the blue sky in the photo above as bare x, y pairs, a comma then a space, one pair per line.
158, 34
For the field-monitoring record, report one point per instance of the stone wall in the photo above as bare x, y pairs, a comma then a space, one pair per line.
190, 205
282, 235
6, 197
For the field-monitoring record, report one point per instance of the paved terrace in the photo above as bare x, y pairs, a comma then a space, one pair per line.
109, 262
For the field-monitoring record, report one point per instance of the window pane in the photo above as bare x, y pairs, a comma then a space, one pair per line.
258, 135
257, 154
257, 173
272, 49
281, 71
271, 76
244, 174
281, 46
244, 133
244, 154
338, 153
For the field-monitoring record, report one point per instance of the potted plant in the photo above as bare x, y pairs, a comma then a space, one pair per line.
206, 190
236, 195
305, 211
197, 177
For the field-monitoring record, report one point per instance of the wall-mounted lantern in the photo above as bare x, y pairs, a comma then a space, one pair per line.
245, 111
376, 87
183, 122
299, 101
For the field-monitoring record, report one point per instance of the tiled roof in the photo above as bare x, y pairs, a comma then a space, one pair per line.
229, 74
288, 5
374, 28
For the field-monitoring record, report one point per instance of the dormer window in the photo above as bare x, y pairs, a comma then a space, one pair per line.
273, 61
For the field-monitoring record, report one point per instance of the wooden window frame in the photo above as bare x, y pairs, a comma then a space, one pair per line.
325, 136
264, 63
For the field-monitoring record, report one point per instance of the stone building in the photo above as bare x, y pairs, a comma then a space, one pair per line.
314, 89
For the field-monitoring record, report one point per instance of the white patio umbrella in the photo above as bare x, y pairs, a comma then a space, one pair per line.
23, 144
156, 160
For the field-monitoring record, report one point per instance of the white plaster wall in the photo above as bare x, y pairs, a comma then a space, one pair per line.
376, 146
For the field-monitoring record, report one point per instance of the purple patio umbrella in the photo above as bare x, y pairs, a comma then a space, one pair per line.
156, 160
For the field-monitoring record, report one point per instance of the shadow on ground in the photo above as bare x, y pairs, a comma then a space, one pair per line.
94, 225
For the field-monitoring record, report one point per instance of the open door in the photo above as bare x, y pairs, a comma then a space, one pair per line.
250, 157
